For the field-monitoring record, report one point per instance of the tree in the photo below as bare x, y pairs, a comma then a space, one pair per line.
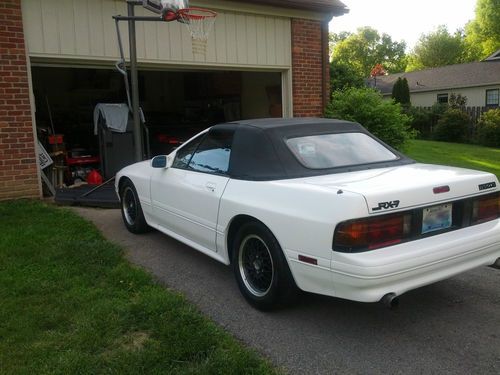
334, 38
482, 35
366, 48
344, 75
383, 118
438, 48
377, 71
401, 91
457, 101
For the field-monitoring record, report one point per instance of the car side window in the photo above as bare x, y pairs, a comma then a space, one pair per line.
212, 155
184, 155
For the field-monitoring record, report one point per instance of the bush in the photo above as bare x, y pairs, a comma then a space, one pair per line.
381, 117
422, 121
488, 128
453, 126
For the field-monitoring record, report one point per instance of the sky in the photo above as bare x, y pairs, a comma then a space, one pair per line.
404, 19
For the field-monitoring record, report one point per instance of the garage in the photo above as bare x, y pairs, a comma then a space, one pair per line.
180, 92
264, 58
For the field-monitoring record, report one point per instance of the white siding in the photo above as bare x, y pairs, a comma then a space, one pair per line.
84, 30
476, 96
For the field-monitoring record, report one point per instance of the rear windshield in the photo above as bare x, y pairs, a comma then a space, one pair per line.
338, 150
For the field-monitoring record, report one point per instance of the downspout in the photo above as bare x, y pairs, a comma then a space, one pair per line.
326, 60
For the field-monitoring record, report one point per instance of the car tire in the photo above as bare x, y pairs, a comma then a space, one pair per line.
131, 209
260, 268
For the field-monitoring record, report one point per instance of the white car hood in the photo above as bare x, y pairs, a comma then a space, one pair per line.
389, 189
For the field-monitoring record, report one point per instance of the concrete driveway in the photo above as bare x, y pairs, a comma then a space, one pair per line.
452, 327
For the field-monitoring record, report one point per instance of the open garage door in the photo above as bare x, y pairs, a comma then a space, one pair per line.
176, 105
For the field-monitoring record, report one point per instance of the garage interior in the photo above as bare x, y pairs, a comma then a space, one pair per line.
176, 104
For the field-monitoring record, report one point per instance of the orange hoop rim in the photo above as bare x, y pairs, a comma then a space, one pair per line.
186, 13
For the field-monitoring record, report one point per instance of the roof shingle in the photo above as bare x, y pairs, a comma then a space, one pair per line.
446, 77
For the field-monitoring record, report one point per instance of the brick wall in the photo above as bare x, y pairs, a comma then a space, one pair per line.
310, 67
18, 168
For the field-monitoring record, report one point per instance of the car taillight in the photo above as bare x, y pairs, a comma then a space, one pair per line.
372, 233
485, 209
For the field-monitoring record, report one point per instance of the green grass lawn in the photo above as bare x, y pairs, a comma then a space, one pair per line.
71, 304
456, 154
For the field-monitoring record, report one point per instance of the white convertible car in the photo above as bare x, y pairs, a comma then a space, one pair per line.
317, 204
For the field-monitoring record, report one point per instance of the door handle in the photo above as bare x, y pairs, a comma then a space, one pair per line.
211, 186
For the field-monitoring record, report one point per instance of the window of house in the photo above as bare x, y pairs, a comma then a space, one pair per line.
492, 98
442, 98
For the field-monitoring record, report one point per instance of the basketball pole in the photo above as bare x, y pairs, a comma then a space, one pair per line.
197, 33
132, 19
139, 155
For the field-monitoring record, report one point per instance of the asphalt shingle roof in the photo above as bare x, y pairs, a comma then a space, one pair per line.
446, 77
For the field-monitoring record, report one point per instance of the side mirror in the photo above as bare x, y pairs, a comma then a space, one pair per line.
161, 161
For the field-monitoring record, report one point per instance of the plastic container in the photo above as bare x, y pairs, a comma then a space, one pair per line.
94, 177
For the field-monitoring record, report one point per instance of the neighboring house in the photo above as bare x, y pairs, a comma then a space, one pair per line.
265, 58
478, 81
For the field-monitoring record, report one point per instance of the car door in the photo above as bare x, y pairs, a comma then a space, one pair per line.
186, 196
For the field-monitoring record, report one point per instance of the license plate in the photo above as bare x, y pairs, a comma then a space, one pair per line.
437, 218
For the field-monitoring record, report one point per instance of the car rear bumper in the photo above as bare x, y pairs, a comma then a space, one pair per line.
367, 277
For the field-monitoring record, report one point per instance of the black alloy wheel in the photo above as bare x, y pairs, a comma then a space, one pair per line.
132, 214
260, 267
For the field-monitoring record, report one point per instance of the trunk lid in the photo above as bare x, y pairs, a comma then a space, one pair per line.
403, 187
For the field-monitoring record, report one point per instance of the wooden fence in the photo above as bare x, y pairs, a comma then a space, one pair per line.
473, 112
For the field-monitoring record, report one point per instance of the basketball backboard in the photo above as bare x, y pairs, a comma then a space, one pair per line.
162, 6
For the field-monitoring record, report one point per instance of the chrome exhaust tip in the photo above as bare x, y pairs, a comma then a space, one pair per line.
390, 300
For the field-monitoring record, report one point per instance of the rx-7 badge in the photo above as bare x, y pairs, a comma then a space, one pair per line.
386, 205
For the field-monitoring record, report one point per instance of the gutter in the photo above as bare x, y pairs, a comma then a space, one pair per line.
331, 6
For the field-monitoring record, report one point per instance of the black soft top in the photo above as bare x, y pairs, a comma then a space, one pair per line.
259, 151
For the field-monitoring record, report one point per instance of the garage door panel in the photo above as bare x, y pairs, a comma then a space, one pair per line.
211, 56
32, 20
66, 19
241, 39
271, 40
96, 27
152, 45
110, 43
230, 38
81, 32
220, 34
283, 41
85, 29
261, 40
251, 39
50, 26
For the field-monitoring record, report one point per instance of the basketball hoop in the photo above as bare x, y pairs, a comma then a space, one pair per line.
199, 22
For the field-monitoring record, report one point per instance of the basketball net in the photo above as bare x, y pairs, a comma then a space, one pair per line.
200, 23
